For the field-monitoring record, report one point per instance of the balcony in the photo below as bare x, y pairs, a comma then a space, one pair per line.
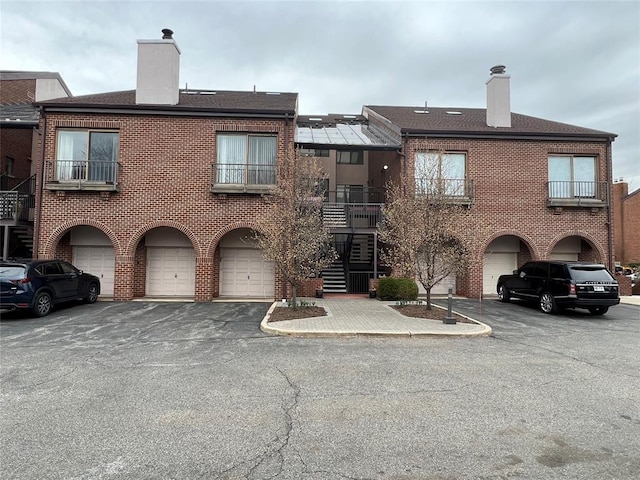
243, 178
458, 191
353, 208
100, 176
578, 194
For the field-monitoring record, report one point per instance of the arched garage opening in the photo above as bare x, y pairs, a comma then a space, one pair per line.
165, 264
502, 256
243, 271
575, 248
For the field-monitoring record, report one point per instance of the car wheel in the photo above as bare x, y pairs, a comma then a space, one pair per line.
43, 304
598, 310
92, 294
547, 303
503, 294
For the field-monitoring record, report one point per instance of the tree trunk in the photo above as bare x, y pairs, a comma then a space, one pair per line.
294, 300
428, 298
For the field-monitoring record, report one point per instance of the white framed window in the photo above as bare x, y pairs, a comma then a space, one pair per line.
246, 159
572, 176
89, 155
441, 173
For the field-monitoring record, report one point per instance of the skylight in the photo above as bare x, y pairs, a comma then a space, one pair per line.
453, 112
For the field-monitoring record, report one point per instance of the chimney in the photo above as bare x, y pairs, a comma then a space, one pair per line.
498, 98
158, 71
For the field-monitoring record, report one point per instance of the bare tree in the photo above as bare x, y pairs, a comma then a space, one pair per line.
293, 235
427, 226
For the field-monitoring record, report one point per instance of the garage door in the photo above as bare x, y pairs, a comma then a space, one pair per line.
170, 271
244, 273
494, 265
98, 261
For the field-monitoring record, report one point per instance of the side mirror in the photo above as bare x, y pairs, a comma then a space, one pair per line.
515, 272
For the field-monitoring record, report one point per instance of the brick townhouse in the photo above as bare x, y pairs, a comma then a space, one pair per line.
540, 187
626, 222
156, 190
19, 147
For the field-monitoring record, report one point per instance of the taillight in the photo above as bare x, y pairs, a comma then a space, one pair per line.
21, 280
572, 289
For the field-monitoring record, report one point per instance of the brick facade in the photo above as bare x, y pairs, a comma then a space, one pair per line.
510, 198
626, 222
164, 181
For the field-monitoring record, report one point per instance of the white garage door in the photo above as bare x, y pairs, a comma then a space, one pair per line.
170, 271
98, 261
244, 273
494, 265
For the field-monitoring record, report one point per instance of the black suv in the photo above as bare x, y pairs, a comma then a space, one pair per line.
558, 285
39, 284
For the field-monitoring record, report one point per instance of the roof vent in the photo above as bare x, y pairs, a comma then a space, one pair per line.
453, 112
421, 111
167, 34
498, 70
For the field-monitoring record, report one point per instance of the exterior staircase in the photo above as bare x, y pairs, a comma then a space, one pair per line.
334, 279
334, 215
25, 234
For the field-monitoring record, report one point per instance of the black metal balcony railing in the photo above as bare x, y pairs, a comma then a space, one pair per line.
567, 193
15, 204
75, 174
457, 189
242, 174
355, 195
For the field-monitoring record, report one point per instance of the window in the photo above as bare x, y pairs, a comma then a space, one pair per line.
88, 155
440, 173
314, 152
350, 158
572, 176
246, 159
9, 166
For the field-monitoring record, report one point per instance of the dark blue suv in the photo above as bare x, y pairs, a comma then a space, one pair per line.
40, 284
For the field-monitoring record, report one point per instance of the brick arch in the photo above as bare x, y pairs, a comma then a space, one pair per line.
223, 231
53, 240
136, 237
583, 235
535, 254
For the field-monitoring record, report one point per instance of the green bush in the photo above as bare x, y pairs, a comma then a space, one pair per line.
392, 288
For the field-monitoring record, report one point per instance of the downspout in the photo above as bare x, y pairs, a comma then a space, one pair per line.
40, 184
286, 159
610, 205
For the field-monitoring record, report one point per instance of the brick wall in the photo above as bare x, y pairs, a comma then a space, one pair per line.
17, 91
510, 178
16, 142
164, 180
626, 223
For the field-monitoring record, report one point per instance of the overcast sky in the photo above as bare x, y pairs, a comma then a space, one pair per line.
575, 62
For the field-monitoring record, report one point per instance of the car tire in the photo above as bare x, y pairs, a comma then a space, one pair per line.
503, 294
92, 293
42, 304
598, 310
548, 303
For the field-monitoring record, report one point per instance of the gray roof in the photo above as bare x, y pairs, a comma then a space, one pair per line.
24, 75
22, 113
473, 121
220, 101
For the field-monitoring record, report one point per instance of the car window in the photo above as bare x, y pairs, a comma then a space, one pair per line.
540, 269
67, 268
48, 269
590, 274
556, 271
12, 272
527, 268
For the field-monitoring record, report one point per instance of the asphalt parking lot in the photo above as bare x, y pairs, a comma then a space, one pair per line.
184, 390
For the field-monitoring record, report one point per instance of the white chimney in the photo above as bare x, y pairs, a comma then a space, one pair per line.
158, 71
498, 98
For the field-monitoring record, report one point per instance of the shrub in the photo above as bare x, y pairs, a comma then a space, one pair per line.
392, 288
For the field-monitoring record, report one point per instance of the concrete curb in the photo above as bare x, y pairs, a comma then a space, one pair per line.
275, 329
